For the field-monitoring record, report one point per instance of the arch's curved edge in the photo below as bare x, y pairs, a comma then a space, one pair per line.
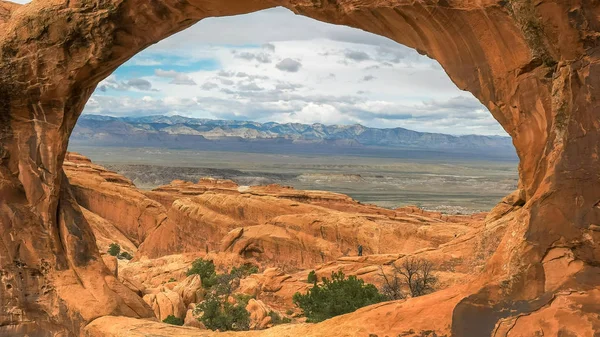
535, 66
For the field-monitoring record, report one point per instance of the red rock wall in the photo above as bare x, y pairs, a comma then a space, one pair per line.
114, 198
534, 65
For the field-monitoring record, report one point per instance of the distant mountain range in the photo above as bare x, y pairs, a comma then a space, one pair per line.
225, 135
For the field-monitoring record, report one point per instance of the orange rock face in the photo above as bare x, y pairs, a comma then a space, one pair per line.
291, 230
107, 233
114, 198
286, 226
534, 65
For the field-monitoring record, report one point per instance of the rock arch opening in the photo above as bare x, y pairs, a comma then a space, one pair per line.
535, 66
341, 88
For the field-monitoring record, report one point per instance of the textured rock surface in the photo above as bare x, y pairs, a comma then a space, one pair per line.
166, 303
190, 290
259, 314
284, 225
114, 198
191, 320
107, 233
275, 225
200, 222
533, 64
112, 264
153, 273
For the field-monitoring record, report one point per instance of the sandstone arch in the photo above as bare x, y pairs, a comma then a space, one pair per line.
535, 65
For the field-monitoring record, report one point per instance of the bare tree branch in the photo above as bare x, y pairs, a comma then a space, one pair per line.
413, 274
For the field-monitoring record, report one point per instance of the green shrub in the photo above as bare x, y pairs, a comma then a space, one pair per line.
125, 256
206, 270
172, 279
335, 297
244, 270
276, 319
173, 320
289, 312
225, 284
243, 298
216, 313
114, 249
312, 277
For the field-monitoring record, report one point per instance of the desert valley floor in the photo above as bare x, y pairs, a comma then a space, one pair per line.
450, 184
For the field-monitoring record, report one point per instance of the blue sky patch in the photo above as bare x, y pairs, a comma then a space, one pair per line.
143, 66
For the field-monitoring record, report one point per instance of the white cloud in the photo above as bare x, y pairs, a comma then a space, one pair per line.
132, 84
315, 73
139, 83
177, 77
368, 78
319, 113
249, 86
263, 27
269, 46
289, 65
260, 57
357, 55
209, 86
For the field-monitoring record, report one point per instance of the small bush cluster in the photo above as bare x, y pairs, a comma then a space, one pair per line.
336, 296
222, 310
276, 319
125, 256
206, 270
244, 270
219, 314
173, 320
114, 249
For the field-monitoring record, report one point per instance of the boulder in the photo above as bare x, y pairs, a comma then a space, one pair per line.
192, 320
190, 290
259, 314
166, 303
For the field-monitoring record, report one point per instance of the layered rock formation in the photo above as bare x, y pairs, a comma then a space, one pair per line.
533, 64
114, 198
288, 232
273, 224
266, 223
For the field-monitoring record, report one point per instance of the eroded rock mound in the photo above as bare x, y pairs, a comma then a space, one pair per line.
281, 224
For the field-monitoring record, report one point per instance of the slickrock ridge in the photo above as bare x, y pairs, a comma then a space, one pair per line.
114, 198
535, 65
272, 222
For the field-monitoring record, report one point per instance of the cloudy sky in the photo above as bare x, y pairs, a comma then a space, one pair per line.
276, 66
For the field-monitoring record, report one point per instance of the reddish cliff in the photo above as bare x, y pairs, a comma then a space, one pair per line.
114, 198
